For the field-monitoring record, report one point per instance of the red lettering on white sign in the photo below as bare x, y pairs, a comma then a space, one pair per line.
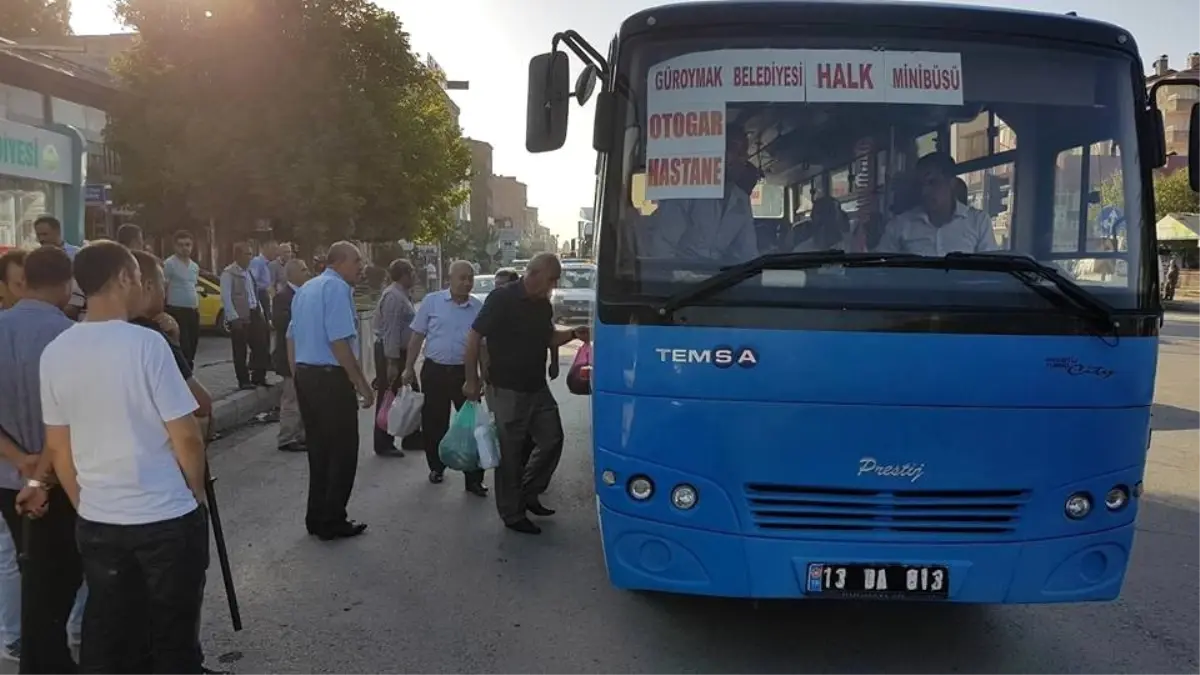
701, 77
692, 124
845, 76
685, 171
769, 75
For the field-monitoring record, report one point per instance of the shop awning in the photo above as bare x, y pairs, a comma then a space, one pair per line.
1179, 227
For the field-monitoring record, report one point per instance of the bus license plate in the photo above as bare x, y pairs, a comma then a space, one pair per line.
921, 581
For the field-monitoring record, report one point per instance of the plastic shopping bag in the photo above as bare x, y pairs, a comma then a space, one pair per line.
458, 449
404, 414
486, 439
579, 378
381, 415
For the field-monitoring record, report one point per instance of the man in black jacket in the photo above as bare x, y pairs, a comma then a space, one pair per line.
291, 428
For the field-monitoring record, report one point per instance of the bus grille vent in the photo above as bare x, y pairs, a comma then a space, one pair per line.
963, 512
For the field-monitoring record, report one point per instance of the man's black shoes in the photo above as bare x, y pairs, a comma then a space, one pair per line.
524, 526
535, 507
345, 530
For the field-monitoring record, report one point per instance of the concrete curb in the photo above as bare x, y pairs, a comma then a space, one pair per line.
241, 407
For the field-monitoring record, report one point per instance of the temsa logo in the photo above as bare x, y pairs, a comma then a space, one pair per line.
721, 357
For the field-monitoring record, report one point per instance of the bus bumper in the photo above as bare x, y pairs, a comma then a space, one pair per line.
647, 555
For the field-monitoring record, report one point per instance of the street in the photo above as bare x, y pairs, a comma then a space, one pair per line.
437, 586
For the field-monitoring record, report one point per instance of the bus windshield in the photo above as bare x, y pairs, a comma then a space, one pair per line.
736, 147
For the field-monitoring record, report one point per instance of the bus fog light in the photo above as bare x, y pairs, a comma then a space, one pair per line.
608, 477
684, 496
641, 488
1078, 506
1116, 499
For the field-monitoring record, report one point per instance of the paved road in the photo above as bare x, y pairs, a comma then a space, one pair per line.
437, 586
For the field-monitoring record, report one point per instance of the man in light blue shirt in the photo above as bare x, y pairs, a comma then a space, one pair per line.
260, 271
323, 351
247, 323
441, 326
182, 302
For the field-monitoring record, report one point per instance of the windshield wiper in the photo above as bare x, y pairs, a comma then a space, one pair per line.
1065, 294
731, 276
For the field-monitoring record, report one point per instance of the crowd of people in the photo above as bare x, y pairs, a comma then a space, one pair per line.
462, 347
103, 426
102, 457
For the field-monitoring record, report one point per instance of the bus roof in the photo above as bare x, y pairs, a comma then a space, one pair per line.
949, 20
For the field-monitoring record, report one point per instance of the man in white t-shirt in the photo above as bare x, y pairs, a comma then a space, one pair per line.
128, 452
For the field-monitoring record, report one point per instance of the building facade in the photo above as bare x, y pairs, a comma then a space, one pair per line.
510, 201
481, 192
1176, 102
51, 126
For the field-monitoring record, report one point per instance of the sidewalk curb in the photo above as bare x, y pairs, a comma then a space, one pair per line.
1181, 305
242, 406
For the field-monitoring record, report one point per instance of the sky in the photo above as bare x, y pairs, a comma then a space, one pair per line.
489, 43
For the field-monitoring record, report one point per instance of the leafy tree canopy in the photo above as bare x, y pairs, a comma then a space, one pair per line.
26, 18
312, 113
1172, 193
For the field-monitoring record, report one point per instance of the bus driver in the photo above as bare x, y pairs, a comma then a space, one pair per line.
940, 224
708, 229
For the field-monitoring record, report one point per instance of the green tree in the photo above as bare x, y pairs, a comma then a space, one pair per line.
313, 113
26, 18
1173, 194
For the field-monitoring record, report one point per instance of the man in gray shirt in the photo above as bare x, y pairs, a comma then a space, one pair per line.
393, 320
53, 571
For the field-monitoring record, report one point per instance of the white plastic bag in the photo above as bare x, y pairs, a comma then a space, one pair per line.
486, 440
404, 417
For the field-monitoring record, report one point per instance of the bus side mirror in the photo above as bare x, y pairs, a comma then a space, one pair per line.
548, 102
1194, 148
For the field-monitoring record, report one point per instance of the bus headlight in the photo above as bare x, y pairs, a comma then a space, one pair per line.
1117, 498
641, 488
1078, 506
684, 496
608, 477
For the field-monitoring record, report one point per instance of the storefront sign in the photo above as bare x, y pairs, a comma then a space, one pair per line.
30, 152
96, 194
687, 98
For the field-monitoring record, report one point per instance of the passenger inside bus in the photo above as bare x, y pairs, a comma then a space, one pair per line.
708, 229
941, 224
830, 228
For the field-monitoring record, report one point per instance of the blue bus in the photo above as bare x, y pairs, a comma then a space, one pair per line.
877, 298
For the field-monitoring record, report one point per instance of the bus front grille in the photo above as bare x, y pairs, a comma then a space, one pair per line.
783, 508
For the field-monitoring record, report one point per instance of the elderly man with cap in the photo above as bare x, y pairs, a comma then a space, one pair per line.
440, 327
330, 388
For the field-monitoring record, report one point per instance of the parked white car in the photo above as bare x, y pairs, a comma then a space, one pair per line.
484, 284
575, 295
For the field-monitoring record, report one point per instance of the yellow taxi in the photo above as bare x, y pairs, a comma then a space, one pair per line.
208, 288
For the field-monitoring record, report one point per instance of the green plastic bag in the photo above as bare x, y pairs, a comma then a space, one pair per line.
458, 449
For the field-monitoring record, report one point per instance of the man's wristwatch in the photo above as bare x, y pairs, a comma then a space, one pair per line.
35, 483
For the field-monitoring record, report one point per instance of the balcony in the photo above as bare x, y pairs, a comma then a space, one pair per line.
103, 164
